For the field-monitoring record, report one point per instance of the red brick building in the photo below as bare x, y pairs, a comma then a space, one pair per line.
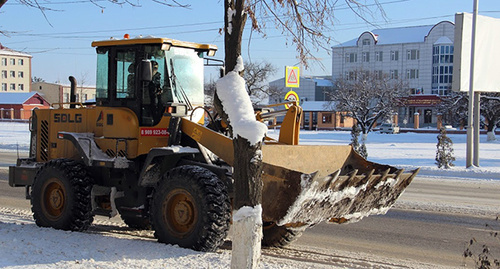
18, 106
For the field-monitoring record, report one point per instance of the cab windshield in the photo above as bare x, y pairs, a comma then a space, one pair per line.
185, 67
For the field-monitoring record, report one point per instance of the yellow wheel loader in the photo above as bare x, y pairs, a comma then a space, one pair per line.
148, 150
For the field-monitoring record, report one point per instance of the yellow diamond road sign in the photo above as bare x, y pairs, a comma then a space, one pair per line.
292, 78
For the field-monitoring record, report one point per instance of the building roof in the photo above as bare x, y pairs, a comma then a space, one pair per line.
399, 35
11, 52
323, 82
315, 106
15, 98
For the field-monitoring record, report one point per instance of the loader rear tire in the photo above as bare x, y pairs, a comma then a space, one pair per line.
61, 196
191, 208
275, 236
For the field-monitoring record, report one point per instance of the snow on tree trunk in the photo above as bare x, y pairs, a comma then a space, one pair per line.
248, 135
364, 137
246, 237
491, 136
232, 93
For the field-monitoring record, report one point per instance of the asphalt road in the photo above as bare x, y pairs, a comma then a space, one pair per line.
435, 221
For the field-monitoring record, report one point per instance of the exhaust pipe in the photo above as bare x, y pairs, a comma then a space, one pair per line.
72, 95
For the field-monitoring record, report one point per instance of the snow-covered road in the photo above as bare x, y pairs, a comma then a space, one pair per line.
24, 245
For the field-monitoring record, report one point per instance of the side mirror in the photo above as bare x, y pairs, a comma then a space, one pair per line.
146, 70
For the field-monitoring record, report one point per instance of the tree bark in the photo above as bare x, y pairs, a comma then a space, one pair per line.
247, 166
247, 173
2, 2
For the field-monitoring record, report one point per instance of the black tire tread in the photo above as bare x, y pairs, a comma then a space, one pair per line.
80, 215
213, 195
279, 236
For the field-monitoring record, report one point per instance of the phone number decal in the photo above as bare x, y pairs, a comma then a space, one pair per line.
154, 132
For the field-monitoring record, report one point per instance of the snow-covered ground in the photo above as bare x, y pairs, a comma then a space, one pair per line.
411, 150
24, 245
407, 150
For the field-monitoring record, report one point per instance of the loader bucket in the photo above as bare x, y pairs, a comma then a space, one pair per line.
305, 185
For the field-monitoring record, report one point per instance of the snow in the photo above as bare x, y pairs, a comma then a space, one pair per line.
246, 250
232, 92
24, 245
230, 15
399, 35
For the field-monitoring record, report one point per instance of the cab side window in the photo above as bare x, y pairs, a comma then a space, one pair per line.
125, 72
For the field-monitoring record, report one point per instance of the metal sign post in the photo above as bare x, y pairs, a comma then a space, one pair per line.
473, 117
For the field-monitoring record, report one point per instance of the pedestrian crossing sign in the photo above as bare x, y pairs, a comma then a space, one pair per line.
292, 77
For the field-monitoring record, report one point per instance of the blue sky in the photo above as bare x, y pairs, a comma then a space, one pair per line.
60, 44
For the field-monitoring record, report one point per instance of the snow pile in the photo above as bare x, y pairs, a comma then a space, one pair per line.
62, 249
14, 136
232, 92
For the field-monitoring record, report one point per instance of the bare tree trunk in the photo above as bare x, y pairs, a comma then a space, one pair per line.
247, 211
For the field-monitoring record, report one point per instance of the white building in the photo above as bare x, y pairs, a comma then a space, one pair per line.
15, 69
420, 55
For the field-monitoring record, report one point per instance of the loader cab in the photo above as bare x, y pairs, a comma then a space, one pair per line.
147, 75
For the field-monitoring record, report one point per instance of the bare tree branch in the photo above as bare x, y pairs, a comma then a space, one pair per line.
306, 22
366, 97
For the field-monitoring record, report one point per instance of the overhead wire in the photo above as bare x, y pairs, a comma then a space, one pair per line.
77, 35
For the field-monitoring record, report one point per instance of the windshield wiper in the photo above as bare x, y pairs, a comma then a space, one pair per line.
184, 96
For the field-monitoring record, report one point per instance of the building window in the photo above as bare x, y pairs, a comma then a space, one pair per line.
84, 97
412, 73
351, 57
366, 57
327, 118
4, 61
12, 87
378, 74
12, 61
4, 87
394, 74
20, 74
366, 41
77, 97
378, 56
20, 87
20, 61
4, 73
12, 74
394, 55
413, 54
350, 75
66, 98
442, 69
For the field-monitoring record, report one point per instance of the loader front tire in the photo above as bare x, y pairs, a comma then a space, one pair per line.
191, 208
278, 236
61, 196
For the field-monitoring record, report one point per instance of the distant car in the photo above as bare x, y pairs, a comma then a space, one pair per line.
389, 128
